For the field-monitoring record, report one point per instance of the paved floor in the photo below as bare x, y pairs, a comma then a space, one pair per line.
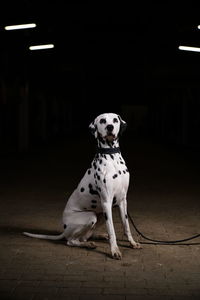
164, 199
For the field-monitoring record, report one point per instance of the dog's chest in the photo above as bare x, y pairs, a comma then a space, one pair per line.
108, 175
109, 169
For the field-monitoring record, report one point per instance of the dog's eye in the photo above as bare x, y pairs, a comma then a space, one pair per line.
102, 121
115, 120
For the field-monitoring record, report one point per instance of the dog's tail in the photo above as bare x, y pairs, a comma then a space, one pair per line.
43, 236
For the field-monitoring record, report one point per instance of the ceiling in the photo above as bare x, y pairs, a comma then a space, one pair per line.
100, 41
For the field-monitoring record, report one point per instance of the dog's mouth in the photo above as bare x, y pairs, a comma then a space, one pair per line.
110, 137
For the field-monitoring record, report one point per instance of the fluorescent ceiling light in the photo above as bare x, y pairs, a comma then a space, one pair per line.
41, 47
187, 48
21, 26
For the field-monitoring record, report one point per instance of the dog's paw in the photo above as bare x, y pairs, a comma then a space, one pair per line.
105, 236
100, 236
116, 254
90, 245
135, 245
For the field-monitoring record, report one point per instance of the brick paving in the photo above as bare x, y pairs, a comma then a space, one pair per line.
163, 198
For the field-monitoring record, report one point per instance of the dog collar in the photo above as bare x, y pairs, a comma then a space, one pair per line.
108, 150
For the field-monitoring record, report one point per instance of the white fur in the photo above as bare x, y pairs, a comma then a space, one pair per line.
104, 183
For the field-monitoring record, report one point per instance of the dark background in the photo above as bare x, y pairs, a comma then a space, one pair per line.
107, 58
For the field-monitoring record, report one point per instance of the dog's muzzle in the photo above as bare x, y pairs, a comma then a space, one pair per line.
110, 137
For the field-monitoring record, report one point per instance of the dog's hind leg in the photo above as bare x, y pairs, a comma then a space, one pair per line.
97, 235
78, 236
100, 236
77, 243
79, 228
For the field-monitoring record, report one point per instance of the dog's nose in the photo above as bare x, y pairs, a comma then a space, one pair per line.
110, 127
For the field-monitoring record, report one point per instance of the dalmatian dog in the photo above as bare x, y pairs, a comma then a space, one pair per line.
103, 187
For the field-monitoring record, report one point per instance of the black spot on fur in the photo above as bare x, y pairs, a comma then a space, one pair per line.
99, 169
82, 189
89, 172
124, 172
98, 177
121, 162
105, 216
114, 200
101, 140
126, 216
108, 143
93, 192
112, 156
93, 206
120, 172
90, 186
94, 165
115, 176
100, 161
94, 201
104, 180
65, 226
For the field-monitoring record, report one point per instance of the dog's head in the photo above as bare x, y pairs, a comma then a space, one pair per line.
108, 126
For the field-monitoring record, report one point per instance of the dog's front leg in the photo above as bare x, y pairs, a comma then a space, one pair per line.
127, 231
107, 211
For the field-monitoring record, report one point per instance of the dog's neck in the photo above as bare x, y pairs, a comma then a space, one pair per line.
108, 150
108, 147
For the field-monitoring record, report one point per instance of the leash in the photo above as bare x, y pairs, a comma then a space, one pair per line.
158, 242
153, 241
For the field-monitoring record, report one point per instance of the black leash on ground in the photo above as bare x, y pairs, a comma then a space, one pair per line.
158, 242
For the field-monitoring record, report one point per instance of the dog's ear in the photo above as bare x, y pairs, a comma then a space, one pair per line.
123, 125
93, 128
